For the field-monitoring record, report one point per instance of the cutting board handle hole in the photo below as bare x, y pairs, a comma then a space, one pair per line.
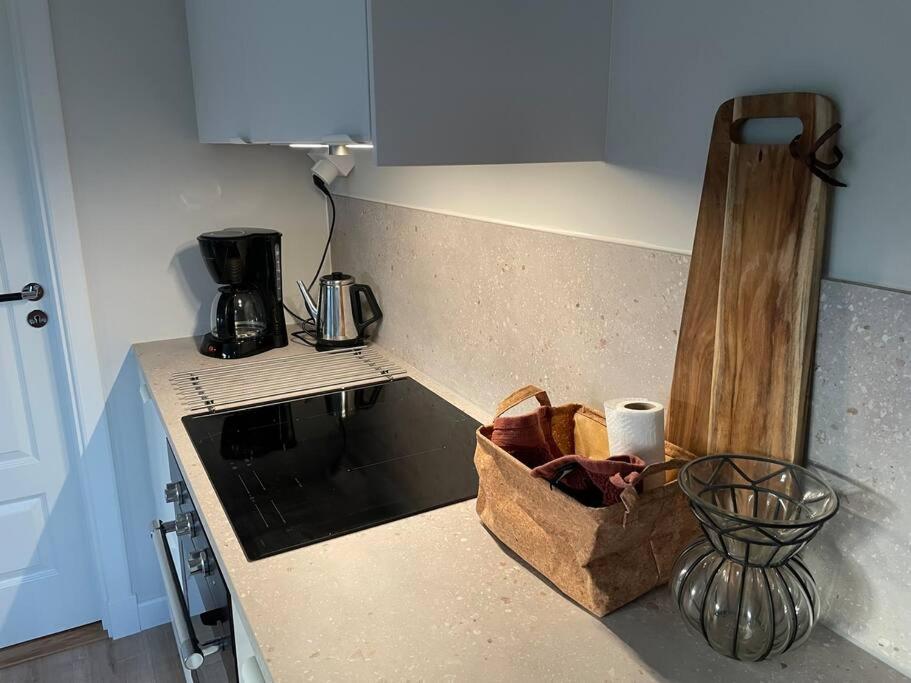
778, 130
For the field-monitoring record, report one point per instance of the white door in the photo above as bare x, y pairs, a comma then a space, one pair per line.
47, 580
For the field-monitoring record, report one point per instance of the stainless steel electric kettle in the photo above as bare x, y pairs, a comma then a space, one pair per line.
339, 317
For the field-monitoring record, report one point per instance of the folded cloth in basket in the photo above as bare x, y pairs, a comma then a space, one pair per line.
527, 437
593, 482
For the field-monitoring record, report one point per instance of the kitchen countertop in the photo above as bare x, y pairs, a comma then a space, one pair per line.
435, 596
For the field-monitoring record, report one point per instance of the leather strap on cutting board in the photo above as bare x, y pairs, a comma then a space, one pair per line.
746, 338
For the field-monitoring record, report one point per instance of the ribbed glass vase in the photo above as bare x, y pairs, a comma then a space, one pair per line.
742, 587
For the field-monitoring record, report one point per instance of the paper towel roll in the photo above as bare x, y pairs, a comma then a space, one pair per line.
635, 426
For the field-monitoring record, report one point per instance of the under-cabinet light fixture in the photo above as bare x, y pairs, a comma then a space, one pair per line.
323, 145
333, 157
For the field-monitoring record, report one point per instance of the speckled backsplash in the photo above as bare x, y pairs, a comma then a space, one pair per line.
860, 436
484, 308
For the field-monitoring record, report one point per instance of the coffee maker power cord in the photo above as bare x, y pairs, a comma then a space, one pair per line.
321, 186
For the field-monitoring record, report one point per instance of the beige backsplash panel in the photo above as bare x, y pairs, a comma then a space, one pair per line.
860, 440
484, 308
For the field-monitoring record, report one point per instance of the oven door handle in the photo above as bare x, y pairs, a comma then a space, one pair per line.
191, 653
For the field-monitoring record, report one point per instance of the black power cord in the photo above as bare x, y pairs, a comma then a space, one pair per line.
294, 315
322, 187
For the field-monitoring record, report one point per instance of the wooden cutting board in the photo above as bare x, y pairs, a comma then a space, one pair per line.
746, 339
687, 422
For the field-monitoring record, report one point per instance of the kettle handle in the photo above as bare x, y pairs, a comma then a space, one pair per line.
360, 323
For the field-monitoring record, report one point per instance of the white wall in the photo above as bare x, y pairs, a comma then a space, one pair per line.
672, 64
145, 188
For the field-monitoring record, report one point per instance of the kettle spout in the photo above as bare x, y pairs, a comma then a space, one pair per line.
308, 300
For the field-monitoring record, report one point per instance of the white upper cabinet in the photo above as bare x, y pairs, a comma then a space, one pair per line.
216, 30
279, 71
457, 82
309, 74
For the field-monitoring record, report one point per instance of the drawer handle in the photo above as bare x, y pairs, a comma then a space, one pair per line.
192, 654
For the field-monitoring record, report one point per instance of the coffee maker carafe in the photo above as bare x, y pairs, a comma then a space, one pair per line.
247, 316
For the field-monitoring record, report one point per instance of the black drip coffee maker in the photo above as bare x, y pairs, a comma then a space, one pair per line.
247, 316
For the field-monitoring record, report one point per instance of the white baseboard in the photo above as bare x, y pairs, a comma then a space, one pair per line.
153, 613
122, 617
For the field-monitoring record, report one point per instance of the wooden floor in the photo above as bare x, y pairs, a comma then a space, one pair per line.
57, 642
147, 657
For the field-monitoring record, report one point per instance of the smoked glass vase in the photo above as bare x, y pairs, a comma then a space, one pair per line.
742, 587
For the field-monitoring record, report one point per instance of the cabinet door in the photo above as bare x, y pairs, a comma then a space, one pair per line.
157, 449
217, 34
489, 81
308, 70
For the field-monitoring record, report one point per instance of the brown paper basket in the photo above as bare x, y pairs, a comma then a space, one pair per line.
601, 557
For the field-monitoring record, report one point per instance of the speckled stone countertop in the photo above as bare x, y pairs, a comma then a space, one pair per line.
435, 596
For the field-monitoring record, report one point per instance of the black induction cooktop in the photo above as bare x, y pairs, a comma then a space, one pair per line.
306, 470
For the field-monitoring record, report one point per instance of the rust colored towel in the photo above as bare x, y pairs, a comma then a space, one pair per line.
527, 437
593, 482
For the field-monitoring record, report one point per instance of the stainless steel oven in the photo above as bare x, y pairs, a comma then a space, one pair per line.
198, 596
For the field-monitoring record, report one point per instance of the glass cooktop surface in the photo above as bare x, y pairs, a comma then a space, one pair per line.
306, 470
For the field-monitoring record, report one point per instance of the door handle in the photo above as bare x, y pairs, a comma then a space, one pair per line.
31, 292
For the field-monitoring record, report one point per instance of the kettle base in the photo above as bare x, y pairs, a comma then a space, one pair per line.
329, 345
